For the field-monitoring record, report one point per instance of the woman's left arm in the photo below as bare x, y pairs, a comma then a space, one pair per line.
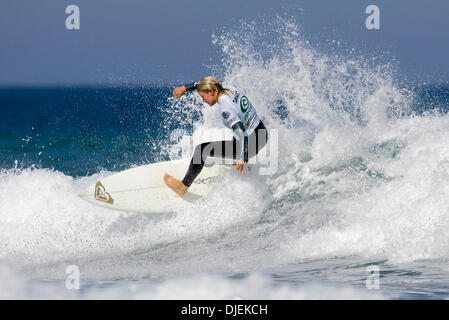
242, 154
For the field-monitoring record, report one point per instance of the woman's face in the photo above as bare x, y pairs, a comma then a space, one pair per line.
210, 97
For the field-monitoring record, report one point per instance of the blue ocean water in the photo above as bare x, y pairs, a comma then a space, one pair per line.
80, 130
357, 207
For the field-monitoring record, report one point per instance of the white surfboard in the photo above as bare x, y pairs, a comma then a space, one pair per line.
142, 189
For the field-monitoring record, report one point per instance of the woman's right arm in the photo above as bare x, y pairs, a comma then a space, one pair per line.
180, 91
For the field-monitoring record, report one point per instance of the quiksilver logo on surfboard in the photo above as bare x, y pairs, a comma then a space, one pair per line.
101, 194
206, 180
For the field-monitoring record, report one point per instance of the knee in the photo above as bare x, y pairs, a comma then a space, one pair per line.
197, 149
198, 156
200, 148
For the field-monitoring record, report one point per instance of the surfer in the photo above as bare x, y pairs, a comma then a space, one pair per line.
237, 114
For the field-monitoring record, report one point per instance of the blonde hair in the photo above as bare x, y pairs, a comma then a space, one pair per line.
211, 83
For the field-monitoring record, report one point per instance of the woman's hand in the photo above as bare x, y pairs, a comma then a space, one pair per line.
179, 91
239, 167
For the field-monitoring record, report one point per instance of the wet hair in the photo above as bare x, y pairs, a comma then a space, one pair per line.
211, 83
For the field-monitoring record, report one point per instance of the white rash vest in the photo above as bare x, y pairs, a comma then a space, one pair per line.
236, 107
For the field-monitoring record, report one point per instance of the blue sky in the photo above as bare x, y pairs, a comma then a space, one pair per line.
138, 41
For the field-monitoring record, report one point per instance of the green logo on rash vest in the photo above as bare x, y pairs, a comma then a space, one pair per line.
244, 104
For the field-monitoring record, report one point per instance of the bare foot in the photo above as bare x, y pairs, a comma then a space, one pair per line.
175, 184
